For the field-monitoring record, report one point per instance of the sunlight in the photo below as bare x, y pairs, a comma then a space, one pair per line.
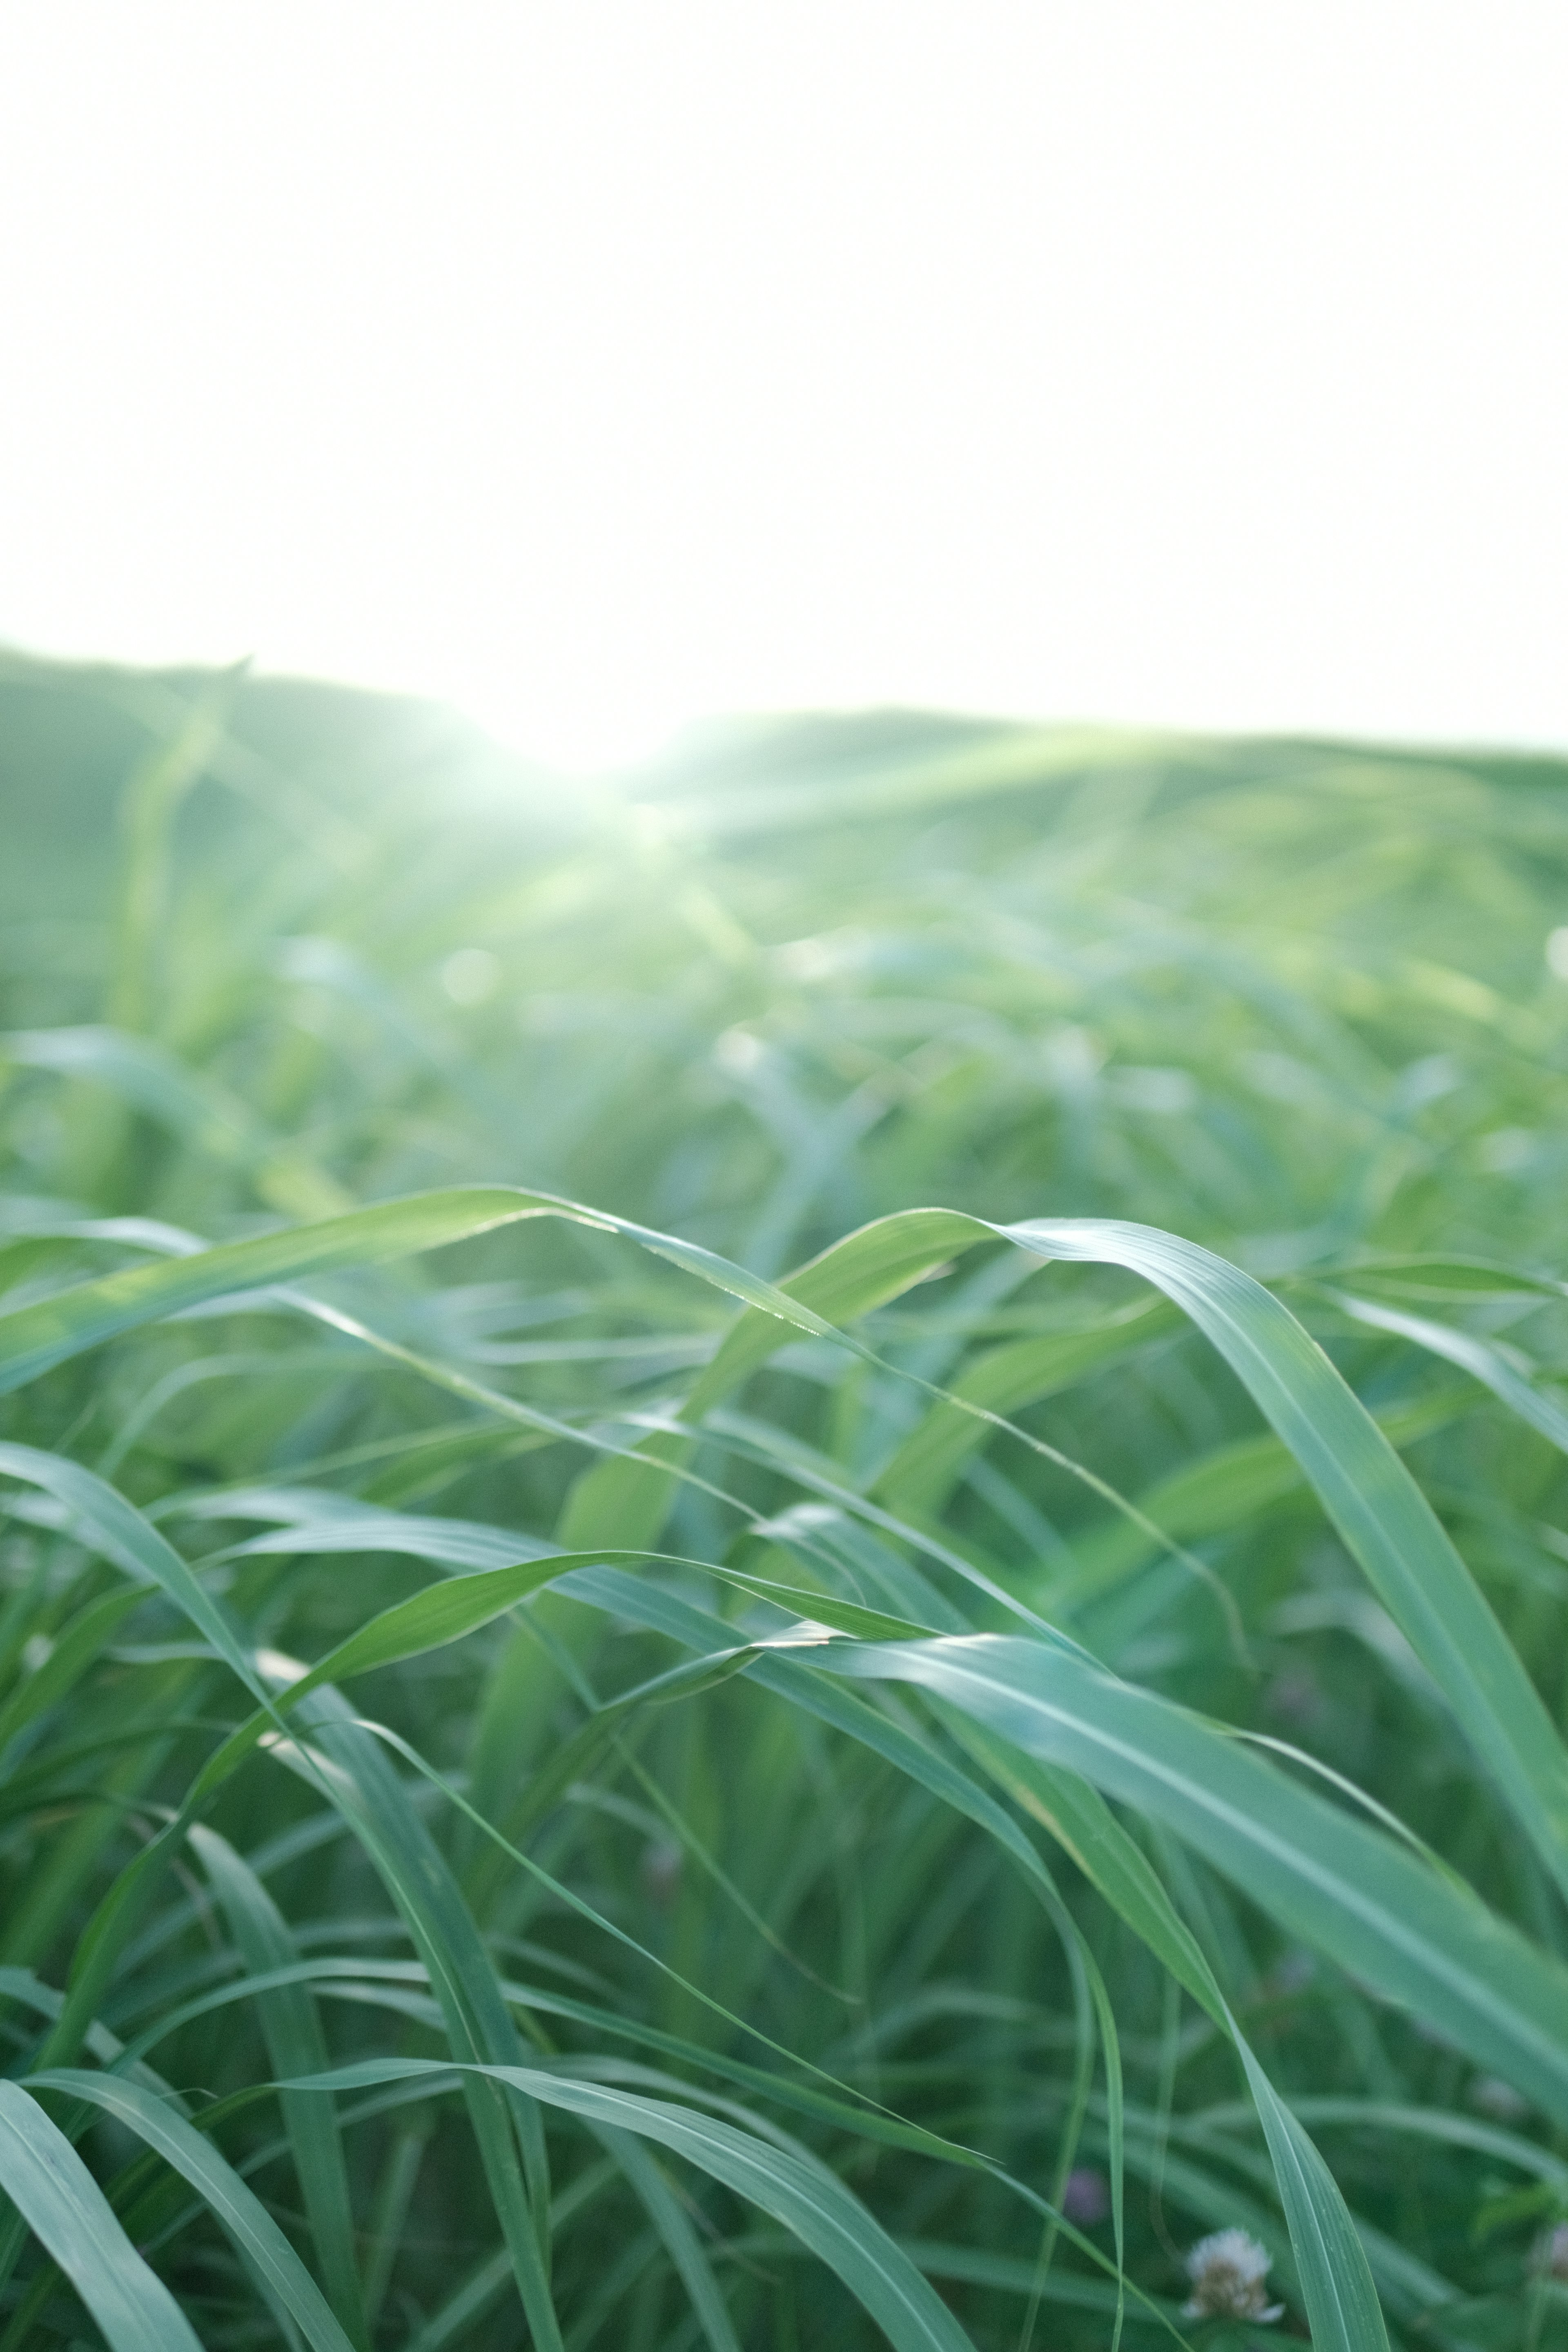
600, 369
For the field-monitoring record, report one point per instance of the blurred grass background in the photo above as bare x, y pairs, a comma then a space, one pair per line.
1292, 997
272, 950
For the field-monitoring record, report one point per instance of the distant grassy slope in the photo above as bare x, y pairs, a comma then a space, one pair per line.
832, 966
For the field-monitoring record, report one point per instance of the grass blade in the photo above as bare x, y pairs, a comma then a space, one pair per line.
64, 2206
779, 2176
294, 2045
1331, 1880
1385, 1519
283, 2278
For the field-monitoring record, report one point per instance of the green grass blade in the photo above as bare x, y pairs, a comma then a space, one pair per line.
1337, 2286
1023, 1371
365, 1790
69, 2215
666, 2212
79, 1645
779, 2176
1330, 1880
51, 1330
369, 1793
295, 2044
1385, 1520
284, 2280
120, 1531
1342, 2300
1484, 1362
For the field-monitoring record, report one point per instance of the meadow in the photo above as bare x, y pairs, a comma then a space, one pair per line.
784, 1548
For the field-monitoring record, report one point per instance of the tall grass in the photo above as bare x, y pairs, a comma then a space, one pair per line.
785, 1553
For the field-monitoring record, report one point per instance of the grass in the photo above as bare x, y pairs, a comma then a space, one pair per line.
785, 1554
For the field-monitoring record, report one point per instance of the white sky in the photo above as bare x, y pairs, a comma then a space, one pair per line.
603, 365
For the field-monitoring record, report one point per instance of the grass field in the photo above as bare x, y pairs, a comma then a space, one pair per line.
785, 1554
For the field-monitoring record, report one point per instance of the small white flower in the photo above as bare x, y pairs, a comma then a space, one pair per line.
1498, 2099
1228, 2271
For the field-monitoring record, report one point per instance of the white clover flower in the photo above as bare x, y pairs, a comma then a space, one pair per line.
1498, 2099
1228, 2271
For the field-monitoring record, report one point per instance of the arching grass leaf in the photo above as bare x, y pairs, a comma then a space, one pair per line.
779, 2176
66, 2211
284, 2280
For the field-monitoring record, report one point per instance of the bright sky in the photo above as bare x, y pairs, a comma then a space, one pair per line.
602, 364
